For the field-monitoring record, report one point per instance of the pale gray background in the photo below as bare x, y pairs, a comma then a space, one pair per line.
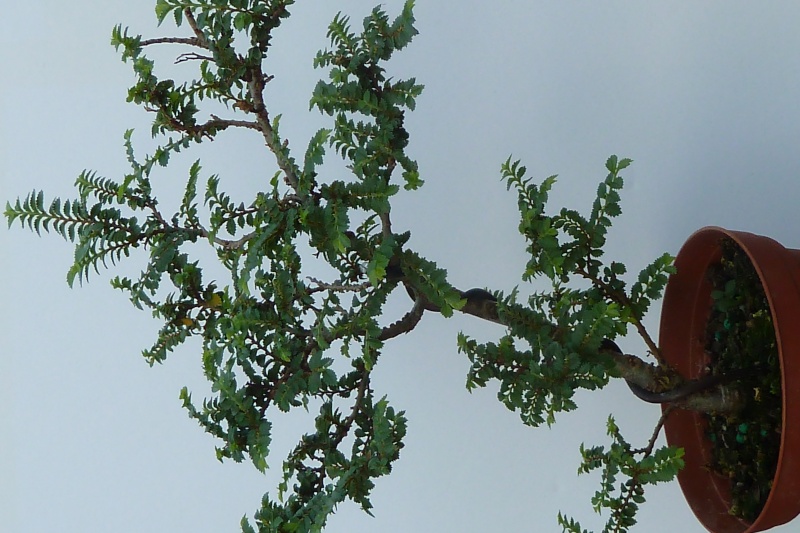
702, 95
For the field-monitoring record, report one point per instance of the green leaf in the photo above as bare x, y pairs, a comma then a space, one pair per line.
376, 269
162, 10
624, 163
242, 20
612, 163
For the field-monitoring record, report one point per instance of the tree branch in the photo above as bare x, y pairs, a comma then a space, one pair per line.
322, 286
655, 384
199, 35
480, 303
230, 245
222, 123
652, 442
189, 56
405, 324
192, 41
256, 90
215, 124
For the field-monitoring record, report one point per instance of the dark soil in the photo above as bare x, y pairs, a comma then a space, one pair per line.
740, 339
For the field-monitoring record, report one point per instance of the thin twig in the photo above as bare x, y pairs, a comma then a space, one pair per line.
322, 286
190, 56
649, 448
222, 123
225, 243
192, 41
216, 123
344, 429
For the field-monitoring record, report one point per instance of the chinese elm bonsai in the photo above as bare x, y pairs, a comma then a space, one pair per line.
276, 339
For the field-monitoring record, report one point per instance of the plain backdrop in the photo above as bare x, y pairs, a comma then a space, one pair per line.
702, 95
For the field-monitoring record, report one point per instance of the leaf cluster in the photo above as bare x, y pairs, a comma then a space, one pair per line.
268, 335
563, 328
622, 498
101, 233
554, 344
358, 87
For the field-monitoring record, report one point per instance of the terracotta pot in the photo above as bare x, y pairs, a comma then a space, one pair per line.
686, 307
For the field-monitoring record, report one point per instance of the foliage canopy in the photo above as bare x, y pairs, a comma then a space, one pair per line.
273, 338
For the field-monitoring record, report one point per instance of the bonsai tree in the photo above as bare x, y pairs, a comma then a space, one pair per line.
287, 291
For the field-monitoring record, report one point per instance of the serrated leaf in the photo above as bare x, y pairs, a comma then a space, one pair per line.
376, 269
